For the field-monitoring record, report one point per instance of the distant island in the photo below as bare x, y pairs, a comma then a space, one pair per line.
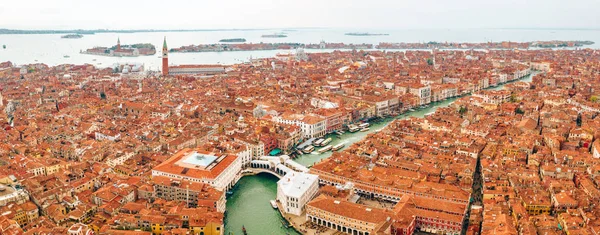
558, 44
275, 35
482, 45
72, 36
367, 34
134, 50
233, 40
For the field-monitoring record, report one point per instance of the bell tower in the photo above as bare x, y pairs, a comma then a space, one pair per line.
165, 59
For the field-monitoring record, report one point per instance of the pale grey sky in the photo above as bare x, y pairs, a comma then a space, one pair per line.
226, 14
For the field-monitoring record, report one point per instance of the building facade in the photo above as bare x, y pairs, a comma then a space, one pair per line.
295, 190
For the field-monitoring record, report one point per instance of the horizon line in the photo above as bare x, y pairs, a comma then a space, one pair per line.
292, 28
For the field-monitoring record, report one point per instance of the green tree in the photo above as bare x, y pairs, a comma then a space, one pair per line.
594, 98
429, 61
463, 110
519, 111
513, 98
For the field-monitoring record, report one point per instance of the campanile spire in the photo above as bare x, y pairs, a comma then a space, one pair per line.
165, 58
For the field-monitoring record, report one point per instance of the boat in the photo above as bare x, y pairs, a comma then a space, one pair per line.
285, 223
309, 149
229, 192
244, 230
275, 35
338, 147
299, 152
326, 142
67, 56
318, 142
94, 60
364, 129
353, 128
3, 46
364, 125
233, 40
273, 204
325, 149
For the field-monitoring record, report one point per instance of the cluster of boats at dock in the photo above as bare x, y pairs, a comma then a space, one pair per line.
361, 127
325, 142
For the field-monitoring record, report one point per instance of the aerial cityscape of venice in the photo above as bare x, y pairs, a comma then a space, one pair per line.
300, 117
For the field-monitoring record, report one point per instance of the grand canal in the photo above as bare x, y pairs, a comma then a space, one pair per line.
249, 205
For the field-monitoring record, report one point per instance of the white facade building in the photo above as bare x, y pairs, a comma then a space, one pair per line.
312, 126
295, 190
423, 92
196, 69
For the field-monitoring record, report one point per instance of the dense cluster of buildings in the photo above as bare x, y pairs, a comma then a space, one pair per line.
140, 49
88, 151
267, 46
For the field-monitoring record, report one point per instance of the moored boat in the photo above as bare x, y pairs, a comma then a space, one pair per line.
309, 149
326, 142
318, 142
325, 149
353, 128
338, 146
273, 204
365, 129
364, 125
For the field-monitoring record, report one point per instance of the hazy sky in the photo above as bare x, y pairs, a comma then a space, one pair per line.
211, 14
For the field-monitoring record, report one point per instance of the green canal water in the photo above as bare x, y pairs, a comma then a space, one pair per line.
249, 205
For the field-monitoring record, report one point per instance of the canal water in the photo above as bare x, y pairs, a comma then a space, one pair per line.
249, 205
350, 138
